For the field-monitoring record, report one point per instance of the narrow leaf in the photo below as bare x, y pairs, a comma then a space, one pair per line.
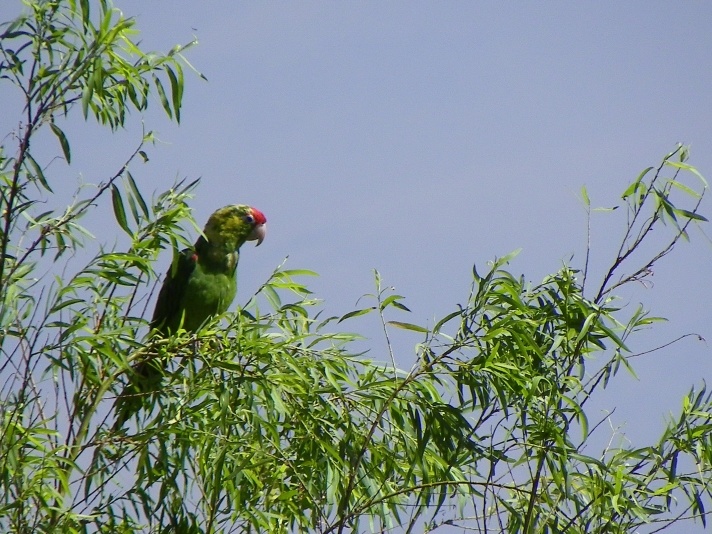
690, 214
299, 272
137, 194
449, 317
38, 173
162, 96
62, 141
87, 93
688, 168
475, 274
401, 306
409, 326
683, 187
119, 211
272, 296
176, 92
636, 183
393, 301
85, 11
356, 313
586, 326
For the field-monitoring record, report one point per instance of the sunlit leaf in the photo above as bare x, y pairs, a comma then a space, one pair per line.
408, 326
688, 168
636, 184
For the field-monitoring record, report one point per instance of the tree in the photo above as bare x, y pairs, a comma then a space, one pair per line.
268, 420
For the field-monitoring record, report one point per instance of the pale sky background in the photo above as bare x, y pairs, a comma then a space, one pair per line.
419, 138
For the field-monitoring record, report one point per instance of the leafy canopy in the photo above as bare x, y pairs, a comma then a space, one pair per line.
269, 419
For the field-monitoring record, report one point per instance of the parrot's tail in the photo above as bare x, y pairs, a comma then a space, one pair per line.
144, 379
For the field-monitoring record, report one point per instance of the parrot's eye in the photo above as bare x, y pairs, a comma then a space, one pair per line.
249, 219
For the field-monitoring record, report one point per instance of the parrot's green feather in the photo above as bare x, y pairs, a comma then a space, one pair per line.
200, 284
195, 289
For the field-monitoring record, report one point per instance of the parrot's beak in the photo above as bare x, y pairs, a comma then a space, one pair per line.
258, 234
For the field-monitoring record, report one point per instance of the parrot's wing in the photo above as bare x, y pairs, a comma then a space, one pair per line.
168, 306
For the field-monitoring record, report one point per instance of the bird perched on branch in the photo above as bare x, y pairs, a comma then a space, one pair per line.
200, 283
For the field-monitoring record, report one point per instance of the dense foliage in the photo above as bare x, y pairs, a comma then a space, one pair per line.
269, 421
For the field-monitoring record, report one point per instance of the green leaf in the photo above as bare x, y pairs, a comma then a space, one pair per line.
690, 214
162, 96
401, 306
85, 11
684, 188
700, 508
134, 210
633, 187
109, 28
63, 304
586, 326
393, 301
449, 317
688, 168
119, 211
613, 336
584, 196
87, 94
356, 313
62, 141
38, 174
272, 296
614, 208
69, 331
137, 194
176, 92
504, 260
409, 326
299, 272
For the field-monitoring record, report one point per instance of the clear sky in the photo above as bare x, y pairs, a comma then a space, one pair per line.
419, 138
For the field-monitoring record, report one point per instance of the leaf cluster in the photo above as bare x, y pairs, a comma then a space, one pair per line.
270, 419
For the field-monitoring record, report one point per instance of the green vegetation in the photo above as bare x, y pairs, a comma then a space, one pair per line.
267, 420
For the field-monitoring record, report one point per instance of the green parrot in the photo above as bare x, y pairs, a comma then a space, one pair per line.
200, 283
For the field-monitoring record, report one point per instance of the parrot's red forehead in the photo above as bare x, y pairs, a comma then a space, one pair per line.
259, 216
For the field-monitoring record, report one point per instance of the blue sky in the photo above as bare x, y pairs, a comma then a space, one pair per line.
419, 138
